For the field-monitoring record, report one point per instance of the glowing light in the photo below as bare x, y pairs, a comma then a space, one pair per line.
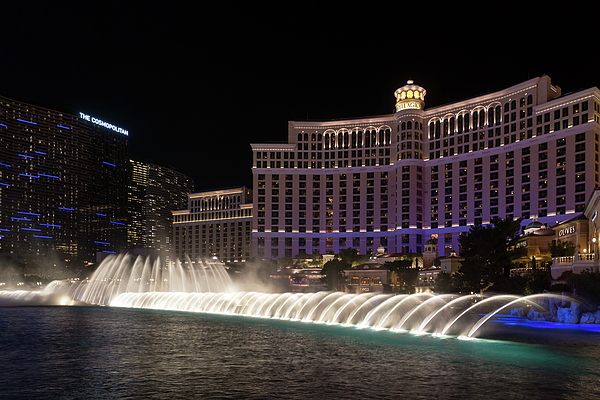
103, 123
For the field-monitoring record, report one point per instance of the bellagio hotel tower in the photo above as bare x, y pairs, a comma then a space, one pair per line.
399, 180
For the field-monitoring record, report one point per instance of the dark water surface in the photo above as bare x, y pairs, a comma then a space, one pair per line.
102, 352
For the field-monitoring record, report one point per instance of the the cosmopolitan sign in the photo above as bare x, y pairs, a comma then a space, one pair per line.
104, 124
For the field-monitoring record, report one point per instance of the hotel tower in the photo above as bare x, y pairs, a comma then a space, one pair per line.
63, 180
399, 180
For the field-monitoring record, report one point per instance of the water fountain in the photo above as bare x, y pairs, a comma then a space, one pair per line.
205, 287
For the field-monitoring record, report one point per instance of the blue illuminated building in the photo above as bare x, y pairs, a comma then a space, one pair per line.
63, 183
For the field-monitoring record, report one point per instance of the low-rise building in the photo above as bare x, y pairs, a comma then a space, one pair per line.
216, 224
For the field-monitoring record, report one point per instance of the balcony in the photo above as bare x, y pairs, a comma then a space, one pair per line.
576, 263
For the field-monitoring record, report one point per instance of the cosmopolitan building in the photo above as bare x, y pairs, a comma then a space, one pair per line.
62, 182
400, 180
216, 224
154, 192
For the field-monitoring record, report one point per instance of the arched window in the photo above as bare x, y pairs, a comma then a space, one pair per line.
355, 280
451, 126
530, 99
306, 137
313, 137
467, 122
388, 137
506, 107
513, 105
446, 128
404, 126
346, 139
409, 125
491, 116
431, 130
481, 119
381, 136
353, 139
460, 123
359, 140
522, 102
498, 114
319, 137
327, 141
475, 118
299, 137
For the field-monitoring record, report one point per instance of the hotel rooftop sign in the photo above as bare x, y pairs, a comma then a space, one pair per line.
104, 124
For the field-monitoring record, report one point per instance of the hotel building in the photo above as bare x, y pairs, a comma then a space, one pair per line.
217, 223
400, 180
62, 182
154, 192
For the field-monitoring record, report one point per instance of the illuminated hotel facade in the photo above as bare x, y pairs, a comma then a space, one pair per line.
399, 180
63, 179
154, 192
216, 224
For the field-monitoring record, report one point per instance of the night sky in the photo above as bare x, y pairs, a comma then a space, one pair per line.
195, 85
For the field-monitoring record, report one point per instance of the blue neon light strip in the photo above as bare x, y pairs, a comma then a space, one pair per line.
42, 237
40, 152
6, 165
29, 176
30, 229
50, 176
26, 213
20, 219
24, 155
54, 226
5, 230
101, 242
102, 215
118, 223
4, 125
4, 184
106, 251
27, 122
65, 208
62, 126
107, 163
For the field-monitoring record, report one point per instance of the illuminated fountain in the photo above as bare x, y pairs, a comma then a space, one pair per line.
440, 315
122, 274
125, 274
205, 287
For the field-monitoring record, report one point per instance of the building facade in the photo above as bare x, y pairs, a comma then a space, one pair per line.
62, 182
216, 224
154, 192
400, 180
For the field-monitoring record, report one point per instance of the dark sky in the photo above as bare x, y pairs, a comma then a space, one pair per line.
195, 85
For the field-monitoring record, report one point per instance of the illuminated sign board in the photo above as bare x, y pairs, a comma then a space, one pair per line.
104, 124
408, 105
566, 231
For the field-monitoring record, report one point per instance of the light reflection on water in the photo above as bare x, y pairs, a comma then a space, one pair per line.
102, 352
